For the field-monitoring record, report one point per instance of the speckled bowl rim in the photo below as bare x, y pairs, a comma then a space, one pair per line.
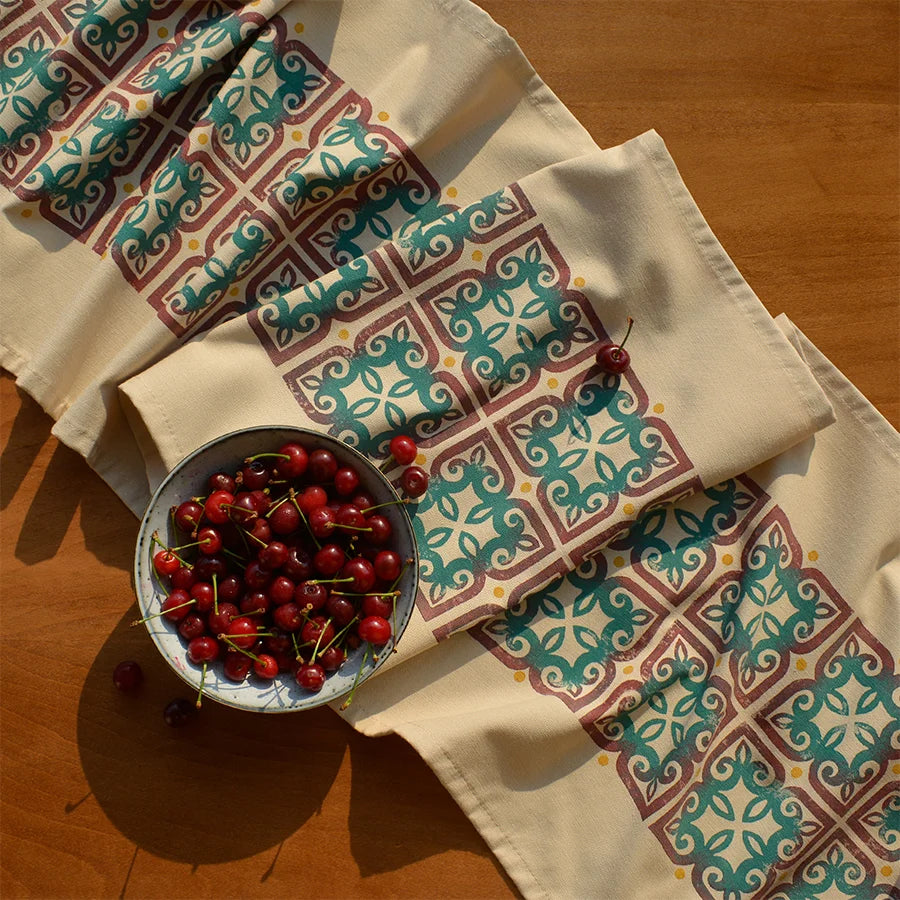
283, 694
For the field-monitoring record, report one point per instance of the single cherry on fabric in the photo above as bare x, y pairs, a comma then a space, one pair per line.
403, 449
613, 358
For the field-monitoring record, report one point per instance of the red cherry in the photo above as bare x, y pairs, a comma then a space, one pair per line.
612, 358
229, 588
388, 565
221, 481
203, 649
243, 510
188, 515
414, 481
265, 666
403, 449
311, 595
166, 563
317, 630
207, 566
192, 626
340, 609
202, 592
350, 516
361, 571
128, 676
375, 629
296, 463
237, 665
256, 602
322, 466
255, 474
256, 577
346, 481
377, 605
219, 621
288, 617
312, 497
261, 530
281, 590
177, 605
184, 578
329, 559
311, 677
179, 712
298, 565
321, 521
381, 530
216, 506
285, 518
332, 658
210, 541
274, 555
242, 632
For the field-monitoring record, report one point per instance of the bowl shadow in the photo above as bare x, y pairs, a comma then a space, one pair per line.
169, 789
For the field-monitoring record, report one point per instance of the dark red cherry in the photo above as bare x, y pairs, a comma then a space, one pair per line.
203, 649
188, 515
403, 449
274, 555
312, 596
340, 610
285, 518
237, 665
346, 481
332, 658
221, 481
414, 481
312, 497
288, 617
361, 571
613, 358
299, 565
216, 506
255, 474
128, 676
179, 712
311, 677
295, 464
375, 629
321, 521
329, 559
381, 530
322, 466
388, 565
377, 605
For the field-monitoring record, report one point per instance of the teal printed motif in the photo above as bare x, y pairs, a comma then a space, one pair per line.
109, 27
385, 387
738, 823
241, 249
513, 321
566, 634
665, 723
292, 311
346, 153
77, 177
836, 873
177, 194
37, 89
674, 541
265, 88
468, 526
846, 721
589, 449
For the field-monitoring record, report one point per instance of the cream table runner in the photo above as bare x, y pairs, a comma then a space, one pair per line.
655, 648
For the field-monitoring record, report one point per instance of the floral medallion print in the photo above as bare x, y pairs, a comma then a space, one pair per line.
569, 636
844, 721
739, 824
877, 822
663, 724
837, 870
768, 608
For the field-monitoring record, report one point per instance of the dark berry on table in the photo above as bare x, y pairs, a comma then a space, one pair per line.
403, 449
179, 712
128, 676
322, 466
414, 481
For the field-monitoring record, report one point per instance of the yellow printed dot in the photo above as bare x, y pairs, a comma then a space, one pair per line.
499, 592
449, 362
420, 459
163, 32
658, 408
64, 41
141, 105
578, 282
26, 213
679, 874
812, 555
603, 759
801, 664
383, 116
296, 135
526, 488
343, 334
728, 559
202, 138
628, 509
63, 138
477, 255
193, 243
552, 383
796, 771
452, 191
718, 662
886, 871
233, 292
519, 676
896, 769
298, 28
619, 561
628, 670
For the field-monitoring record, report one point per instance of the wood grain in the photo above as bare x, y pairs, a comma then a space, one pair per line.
783, 119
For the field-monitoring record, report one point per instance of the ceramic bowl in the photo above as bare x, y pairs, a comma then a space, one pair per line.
188, 479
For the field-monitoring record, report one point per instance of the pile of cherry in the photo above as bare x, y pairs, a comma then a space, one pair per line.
284, 567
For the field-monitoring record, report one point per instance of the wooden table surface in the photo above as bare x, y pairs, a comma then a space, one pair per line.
783, 118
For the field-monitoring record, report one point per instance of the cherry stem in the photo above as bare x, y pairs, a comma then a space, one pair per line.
234, 646
315, 652
157, 615
367, 594
303, 518
350, 527
215, 581
362, 665
155, 539
622, 343
330, 581
237, 556
341, 633
255, 538
369, 509
202, 682
249, 459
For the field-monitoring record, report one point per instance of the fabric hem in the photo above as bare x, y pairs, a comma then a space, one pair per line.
466, 797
